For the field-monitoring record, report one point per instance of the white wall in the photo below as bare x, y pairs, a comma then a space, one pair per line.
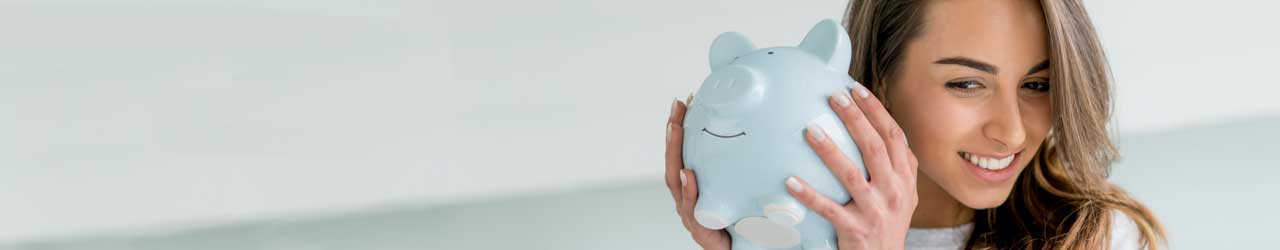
124, 115
1183, 63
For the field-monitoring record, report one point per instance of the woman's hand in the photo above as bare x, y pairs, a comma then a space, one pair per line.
879, 213
683, 185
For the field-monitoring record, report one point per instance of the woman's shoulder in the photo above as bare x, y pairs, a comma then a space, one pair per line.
1124, 232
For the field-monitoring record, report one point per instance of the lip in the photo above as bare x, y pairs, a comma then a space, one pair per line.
724, 136
992, 176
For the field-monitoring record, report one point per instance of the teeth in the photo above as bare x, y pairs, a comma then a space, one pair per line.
988, 163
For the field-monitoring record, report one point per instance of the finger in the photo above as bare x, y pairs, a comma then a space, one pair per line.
840, 165
820, 204
875, 156
689, 197
914, 163
885, 125
899, 152
674, 153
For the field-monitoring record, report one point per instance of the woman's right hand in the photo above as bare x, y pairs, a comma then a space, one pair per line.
683, 185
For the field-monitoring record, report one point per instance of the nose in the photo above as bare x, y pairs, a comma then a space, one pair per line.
1005, 126
732, 90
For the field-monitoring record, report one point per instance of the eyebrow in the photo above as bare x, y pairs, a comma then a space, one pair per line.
987, 67
969, 62
1039, 66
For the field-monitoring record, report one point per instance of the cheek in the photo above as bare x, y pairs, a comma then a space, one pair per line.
935, 125
1037, 119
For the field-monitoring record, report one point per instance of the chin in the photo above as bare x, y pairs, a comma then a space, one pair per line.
985, 197
985, 202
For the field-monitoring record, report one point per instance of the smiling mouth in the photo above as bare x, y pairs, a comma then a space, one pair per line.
724, 136
989, 163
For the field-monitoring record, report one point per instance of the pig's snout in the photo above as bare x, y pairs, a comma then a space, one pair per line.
731, 91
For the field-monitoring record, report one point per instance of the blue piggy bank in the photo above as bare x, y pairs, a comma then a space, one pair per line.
744, 135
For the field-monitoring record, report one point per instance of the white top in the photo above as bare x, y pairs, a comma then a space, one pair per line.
1124, 235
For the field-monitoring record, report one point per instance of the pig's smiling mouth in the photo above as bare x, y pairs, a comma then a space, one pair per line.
724, 136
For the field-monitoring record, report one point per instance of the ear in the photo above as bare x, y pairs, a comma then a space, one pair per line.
728, 46
829, 42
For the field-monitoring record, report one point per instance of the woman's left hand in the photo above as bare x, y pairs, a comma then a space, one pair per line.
879, 211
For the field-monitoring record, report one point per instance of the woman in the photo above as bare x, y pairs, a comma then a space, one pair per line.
1005, 104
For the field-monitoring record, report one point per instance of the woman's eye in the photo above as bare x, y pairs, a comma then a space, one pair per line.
965, 88
1039, 86
964, 85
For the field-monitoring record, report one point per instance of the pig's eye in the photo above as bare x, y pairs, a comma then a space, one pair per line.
770, 52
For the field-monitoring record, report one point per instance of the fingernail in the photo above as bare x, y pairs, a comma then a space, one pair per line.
862, 90
814, 131
842, 98
794, 184
682, 178
675, 102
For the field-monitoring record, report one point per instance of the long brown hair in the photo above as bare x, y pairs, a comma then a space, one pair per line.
1063, 200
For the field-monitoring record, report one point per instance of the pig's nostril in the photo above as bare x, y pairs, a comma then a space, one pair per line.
728, 83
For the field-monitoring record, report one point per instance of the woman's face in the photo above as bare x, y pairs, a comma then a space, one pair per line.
971, 93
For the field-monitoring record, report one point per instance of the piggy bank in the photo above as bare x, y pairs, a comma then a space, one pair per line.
744, 135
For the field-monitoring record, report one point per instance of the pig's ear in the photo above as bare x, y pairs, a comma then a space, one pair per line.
829, 42
728, 46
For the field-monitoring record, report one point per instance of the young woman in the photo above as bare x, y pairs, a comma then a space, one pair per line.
1005, 104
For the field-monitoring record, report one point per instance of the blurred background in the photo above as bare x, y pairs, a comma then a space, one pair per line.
398, 124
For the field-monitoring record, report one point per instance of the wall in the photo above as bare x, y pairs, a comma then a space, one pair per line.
156, 117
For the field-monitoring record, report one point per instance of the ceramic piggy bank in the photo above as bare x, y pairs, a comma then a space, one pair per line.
744, 135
